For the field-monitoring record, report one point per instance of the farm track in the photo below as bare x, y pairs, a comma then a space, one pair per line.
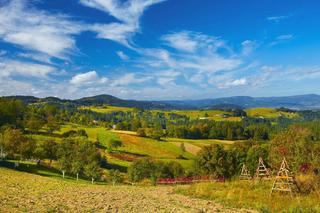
23, 192
193, 149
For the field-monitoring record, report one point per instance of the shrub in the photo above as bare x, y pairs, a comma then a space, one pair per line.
212, 160
142, 168
115, 176
114, 143
141, 132
149, 169
306, 183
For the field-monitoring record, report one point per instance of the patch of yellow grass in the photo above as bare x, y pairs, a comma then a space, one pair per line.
107, 109
269, 113
254, 195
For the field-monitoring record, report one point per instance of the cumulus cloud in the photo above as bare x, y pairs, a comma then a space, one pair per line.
37, 30
128, 14
88, 78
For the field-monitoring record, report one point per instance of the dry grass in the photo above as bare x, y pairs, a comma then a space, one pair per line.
254, 195
22, 192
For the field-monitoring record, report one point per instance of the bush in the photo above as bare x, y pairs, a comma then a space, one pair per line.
306, 183
73, 133
142, 168
150, 169
115, 177
114, 143
141, 132
212, 160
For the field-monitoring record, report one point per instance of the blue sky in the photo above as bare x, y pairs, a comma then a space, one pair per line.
159, 49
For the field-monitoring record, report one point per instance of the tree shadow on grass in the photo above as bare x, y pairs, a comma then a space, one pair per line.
31, 168
41, 170
116, 167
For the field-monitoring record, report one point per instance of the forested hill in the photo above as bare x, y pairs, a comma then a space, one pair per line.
96, 101
311, 101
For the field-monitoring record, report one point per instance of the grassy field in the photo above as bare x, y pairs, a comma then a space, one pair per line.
23, 192
269, 113
253, 195
107, 109
217, 115
135, 147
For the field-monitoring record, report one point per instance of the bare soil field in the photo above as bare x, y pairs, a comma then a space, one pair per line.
23, 192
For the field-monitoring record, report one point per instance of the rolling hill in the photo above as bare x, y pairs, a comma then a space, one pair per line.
301, 102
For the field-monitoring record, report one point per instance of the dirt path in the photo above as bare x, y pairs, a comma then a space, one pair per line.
189, 147
21, 192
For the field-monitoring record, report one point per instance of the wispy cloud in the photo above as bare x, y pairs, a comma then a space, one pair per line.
37, 30
285, 37
248, 47
128, 14
192, 41
122, 55
130, 78
13, 67
277, 18
203, 54
281, 39
39, 57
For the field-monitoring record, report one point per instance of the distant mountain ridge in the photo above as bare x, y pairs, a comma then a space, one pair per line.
310, 101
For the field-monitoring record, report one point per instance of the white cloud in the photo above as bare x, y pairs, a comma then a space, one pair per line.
277, 18
88, 78
282, 39
41, 31
181, 41
122, 55
130, 78
37, 57
202, 54
191, 41
167, 77
248, 47
197, 78
128, 13
285, 37
235, 83
210, 63
11, 67
14, 87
